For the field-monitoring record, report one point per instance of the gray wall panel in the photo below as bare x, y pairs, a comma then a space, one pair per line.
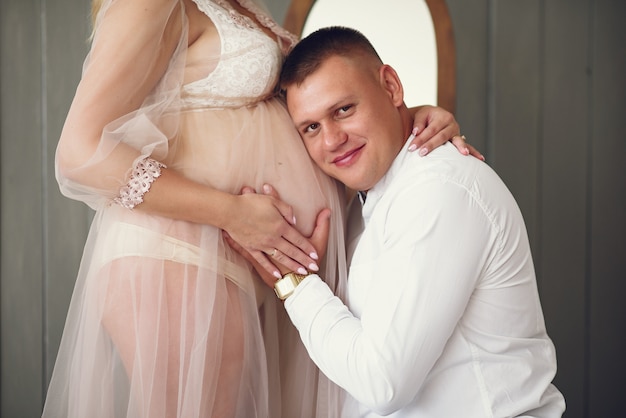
20, 220
561, 263
471, 29
607, 332
515, 92
67, 29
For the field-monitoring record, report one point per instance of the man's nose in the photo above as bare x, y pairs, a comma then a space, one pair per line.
334, 136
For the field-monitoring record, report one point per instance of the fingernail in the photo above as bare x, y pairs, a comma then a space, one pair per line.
412, 147
313, 267
423, 151
466, 151
294, 220
314, 256
267, 188
302, 270
277, 275
415, 130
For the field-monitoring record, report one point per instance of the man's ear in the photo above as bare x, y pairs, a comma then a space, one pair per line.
392, 84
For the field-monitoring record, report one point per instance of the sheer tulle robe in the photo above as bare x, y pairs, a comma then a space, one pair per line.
166, 320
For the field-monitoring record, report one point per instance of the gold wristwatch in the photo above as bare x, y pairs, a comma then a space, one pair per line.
284, 287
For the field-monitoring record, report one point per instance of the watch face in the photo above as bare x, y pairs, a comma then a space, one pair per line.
285, 286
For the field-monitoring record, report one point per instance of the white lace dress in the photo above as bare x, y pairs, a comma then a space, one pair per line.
166, 320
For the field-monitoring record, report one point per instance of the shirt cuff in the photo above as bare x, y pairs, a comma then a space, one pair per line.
307, 299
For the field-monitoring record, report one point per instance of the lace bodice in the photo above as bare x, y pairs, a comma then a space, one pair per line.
249, 63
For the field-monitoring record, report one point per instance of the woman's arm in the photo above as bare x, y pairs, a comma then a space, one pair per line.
119, 116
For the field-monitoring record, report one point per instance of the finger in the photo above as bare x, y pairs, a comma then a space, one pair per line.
418, 127
420, 122
435, 140
268, 272
270, 191
434, 118
288, 263
435, 134
475, 153
319, 237
266, 269
285, 210
296, 252
460, 143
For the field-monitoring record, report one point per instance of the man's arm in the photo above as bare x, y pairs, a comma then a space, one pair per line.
411, 297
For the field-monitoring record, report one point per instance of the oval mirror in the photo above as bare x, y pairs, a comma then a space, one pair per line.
413, 36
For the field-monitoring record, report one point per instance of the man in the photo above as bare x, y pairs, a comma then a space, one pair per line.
443, 317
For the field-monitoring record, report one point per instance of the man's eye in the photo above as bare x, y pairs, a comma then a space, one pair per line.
344, 109
312, 127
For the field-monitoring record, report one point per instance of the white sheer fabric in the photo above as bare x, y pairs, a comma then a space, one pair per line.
166, 320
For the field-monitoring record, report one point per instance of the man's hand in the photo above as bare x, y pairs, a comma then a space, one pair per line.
319, 236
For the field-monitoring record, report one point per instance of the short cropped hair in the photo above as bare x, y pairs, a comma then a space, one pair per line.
309, 54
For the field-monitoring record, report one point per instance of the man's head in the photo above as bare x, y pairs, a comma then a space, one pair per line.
346, 104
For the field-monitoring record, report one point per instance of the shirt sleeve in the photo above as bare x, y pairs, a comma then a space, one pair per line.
435, 240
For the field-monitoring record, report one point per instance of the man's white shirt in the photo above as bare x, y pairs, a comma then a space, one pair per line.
443, 315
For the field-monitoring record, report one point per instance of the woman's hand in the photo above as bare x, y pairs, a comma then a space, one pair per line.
434, 126
319, 238
263, 226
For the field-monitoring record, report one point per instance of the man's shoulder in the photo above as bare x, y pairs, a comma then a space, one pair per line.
444, 163
446, 172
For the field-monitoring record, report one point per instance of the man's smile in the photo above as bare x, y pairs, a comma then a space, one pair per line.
349, 157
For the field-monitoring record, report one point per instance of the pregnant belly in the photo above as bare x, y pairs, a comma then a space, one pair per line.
231, 148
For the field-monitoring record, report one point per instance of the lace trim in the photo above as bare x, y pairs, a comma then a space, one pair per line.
282, 33
238, 18
144, 172
248, 65
286, 39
